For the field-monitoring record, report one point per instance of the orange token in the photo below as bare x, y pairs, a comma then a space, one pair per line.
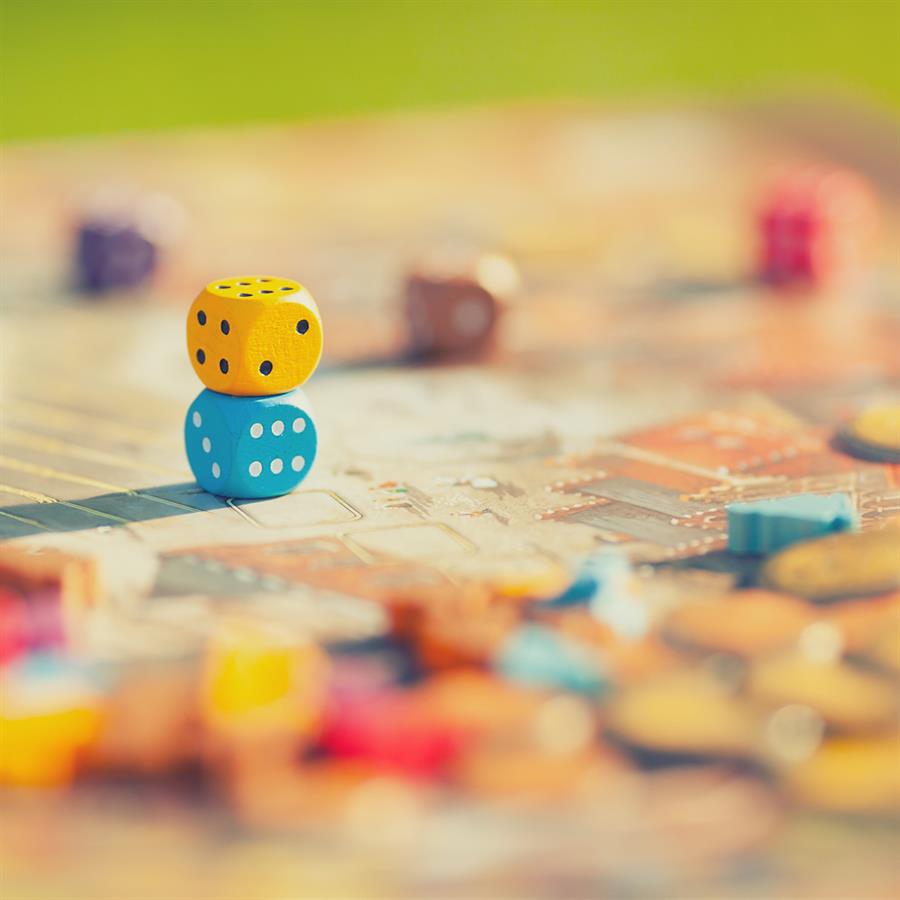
862, 619
846, 698
686, 714
479, 703
745, 623
152, 722
529, 774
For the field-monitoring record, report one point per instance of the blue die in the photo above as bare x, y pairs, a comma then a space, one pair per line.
250, 447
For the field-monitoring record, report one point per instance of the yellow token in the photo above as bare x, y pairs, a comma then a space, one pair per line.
745, 623
49, 717
885, 649
874, 435
41, 749
254, 336
839, 565
258, 679
845, 697
688, 714
849, 775
879, 426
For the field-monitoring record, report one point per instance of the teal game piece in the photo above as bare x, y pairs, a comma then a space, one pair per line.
764, 526
605, 582
538, 656
250, 447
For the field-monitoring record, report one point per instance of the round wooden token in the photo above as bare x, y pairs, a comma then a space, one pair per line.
448, 638
849, 775
478, 703
840, 565
861, 619
151, 724
875, 434
528, 774
744, 623
884, 651
689, 714
846, 698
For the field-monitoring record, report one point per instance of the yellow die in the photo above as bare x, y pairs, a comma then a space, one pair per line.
252, 336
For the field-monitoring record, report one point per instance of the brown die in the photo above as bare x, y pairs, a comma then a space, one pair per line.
453, 309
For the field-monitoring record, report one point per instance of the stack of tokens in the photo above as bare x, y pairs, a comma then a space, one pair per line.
252, 340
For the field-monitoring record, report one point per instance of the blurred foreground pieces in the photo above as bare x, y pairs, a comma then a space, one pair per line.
50, 714
839, 565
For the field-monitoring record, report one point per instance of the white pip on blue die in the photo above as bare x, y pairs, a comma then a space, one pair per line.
250, 447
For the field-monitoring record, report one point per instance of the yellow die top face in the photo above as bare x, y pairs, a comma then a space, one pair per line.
254, 335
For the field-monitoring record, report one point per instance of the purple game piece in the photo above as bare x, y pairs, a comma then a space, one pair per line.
112, 255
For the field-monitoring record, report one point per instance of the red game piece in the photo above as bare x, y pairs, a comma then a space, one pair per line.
393, 731
13, 624
814, 224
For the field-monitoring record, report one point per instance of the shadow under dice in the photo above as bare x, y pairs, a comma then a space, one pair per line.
250, 447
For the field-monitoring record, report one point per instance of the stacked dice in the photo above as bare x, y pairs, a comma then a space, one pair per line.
252, 341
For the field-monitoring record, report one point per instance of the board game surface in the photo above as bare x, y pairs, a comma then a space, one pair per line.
642, 381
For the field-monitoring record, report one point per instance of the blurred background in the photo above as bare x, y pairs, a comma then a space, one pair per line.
106, 66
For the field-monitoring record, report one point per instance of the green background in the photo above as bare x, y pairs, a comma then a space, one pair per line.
85, 66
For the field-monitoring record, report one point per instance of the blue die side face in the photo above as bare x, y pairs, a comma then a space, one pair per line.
270, 444
276, 443
209, 445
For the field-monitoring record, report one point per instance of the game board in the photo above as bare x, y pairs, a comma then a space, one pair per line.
643, 380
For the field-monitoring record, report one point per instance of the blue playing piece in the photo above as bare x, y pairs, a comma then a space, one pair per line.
601, 574
250, 447
626, 614
536, 655
56, 674
764, 526
604, 581
112, 255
